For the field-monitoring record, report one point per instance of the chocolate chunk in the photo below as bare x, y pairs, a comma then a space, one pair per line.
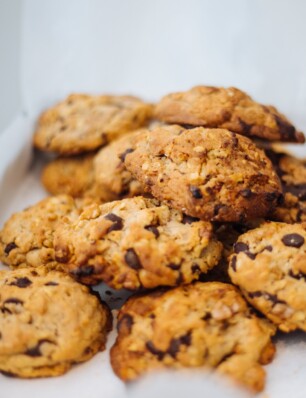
267, 296
9, 247
245, 127
196, 192
293, 240
224, 358
300, 275
188, 219
35, 351
287, 131
174, 266
117, 222
21, 282
188, 126
83, 271
179, 279
132, 259
153, 229
207, 316
155, 351
244, 248
255, 294
175, 344
123, 155
125, 324
233, 263
13, 300
51, 283
246, 193
195, 268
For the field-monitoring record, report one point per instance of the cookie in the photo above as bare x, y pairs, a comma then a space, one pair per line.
83, 123
292, 173
134, 243
27, 237
227, 108
198, 325
212, 174
43, 331
74, 176
109, 170
269, 266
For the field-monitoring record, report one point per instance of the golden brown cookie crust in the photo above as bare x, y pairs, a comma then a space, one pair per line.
83, 123
202, 324
134, 243
43, 331
227, 108
269, 266
26, 239
212, 174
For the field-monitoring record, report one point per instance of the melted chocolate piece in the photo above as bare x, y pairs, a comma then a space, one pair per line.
51, 283
9, 247
188, 219
233, 263
196, 192
300, 275
21, 282
155, 351
83, 271
268, 296
244, 248
195, 268
125, 323
175, 344
173, 266
8, 374
123, 155
293, 240
132, 259
117, 222
153, 229
13, 300
35, 351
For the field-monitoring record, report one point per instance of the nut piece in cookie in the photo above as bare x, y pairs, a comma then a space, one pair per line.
27, 236
134, 243
227, 108
292, 173
110, 172
212, 174
43, 331
198, 325
269, 266
83, 123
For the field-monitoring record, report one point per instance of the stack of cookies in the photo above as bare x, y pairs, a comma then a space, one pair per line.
190, 205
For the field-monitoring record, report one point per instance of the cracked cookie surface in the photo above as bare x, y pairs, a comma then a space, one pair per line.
198, 325
227, 108
26, 238
269, 266
212, 174
292, 173
83, 123
43, 332
135, 243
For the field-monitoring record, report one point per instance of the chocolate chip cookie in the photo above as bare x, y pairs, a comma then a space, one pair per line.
27, 237
198, 325
43, 332
227, 108
269, 266
134, 243
292, 173
212, 174
82, 123
109, 170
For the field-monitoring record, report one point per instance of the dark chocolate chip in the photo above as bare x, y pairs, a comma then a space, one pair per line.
195, 268
132, 259
207, 316
153, 229
123, 155
9, 247
117, 222
244, 248
298, 190
179, 279
35, 351
255, 294
293, 240
188, 126
287, 131
174, 266
83, 271
21, 282
125, 323
188, 219
175, 344
267, 296
51, 283
13, 300
151, 347
246, 193
300, 275
225, 357
233, 263
245, 127
196, 192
